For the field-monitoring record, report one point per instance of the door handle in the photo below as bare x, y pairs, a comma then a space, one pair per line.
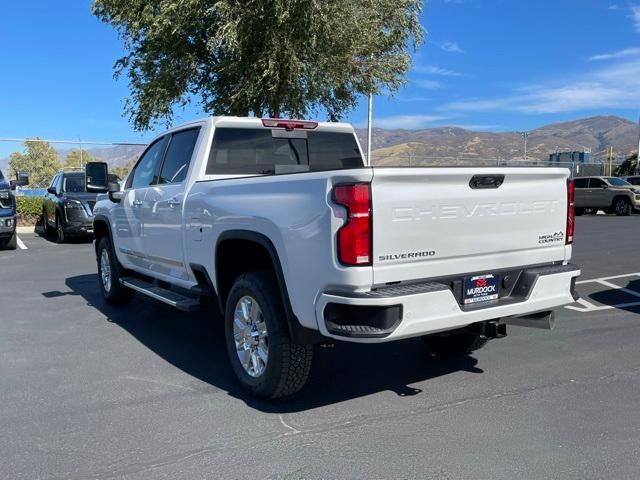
486, 181
137, 203
173, 202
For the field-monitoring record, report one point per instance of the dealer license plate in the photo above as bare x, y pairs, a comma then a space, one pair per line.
481, 288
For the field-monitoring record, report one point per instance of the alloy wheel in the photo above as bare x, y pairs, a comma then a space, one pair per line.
621, 207
105, 270
250, 336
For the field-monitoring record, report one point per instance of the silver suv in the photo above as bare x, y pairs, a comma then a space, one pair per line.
610, 194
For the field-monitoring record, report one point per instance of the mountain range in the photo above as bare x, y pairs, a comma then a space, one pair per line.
593, 133
444, 144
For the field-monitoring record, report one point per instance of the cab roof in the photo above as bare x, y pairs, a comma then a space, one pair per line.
254, 122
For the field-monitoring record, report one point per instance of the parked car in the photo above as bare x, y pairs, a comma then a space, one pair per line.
299, 242
67, 209
610, 194
8, 220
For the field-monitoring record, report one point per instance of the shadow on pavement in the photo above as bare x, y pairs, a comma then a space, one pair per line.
619, 298
194, 343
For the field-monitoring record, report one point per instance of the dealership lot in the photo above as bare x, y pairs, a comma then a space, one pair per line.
92, 391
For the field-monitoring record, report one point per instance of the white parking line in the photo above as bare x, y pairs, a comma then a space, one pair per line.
587, 306
590, 307
21, 244
634, 274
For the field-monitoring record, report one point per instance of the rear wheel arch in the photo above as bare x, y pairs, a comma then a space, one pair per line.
620, 197
241, 251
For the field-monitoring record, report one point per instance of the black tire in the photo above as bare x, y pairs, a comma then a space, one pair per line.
115, 293
579, 211
455, 344
45, 223
622, 207
60, 237
10, 243
288, 364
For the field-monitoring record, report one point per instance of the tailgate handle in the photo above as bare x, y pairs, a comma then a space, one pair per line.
486, 181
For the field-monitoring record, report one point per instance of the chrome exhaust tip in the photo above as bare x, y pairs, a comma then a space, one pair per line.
543, 320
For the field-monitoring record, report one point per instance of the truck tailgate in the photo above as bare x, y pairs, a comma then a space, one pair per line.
435, 222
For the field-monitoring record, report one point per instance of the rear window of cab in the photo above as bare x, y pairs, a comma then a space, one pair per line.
262, 151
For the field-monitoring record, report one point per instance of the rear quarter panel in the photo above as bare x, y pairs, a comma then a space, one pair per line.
295, 212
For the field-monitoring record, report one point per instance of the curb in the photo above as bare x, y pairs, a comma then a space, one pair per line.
30, 229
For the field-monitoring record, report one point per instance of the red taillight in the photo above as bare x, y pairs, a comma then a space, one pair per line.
354, 237
571, 213
288, 124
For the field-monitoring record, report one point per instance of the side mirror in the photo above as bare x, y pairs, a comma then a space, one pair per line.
22, 179
51, 190
97, 174
115, 194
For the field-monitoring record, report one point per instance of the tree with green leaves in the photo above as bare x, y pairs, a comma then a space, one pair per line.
260, 57
628, 167
77, 158
39, 159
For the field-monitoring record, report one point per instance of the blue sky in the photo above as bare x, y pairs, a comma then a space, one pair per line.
486, 64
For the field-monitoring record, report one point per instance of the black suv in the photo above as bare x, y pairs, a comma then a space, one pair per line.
67, 208
8, 238
7, 215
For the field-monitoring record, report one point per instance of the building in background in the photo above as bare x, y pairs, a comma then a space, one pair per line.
570, 157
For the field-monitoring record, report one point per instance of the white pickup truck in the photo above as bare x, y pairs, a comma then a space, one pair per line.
299, 242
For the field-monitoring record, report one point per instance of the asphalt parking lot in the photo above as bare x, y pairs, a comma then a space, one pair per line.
143, 391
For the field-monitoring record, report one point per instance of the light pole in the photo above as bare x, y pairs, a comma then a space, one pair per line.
368, 67
525, 135
638, 157
370, 114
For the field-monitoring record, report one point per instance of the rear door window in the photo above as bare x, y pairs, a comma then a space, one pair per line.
596, 183
178, 157
262, 151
